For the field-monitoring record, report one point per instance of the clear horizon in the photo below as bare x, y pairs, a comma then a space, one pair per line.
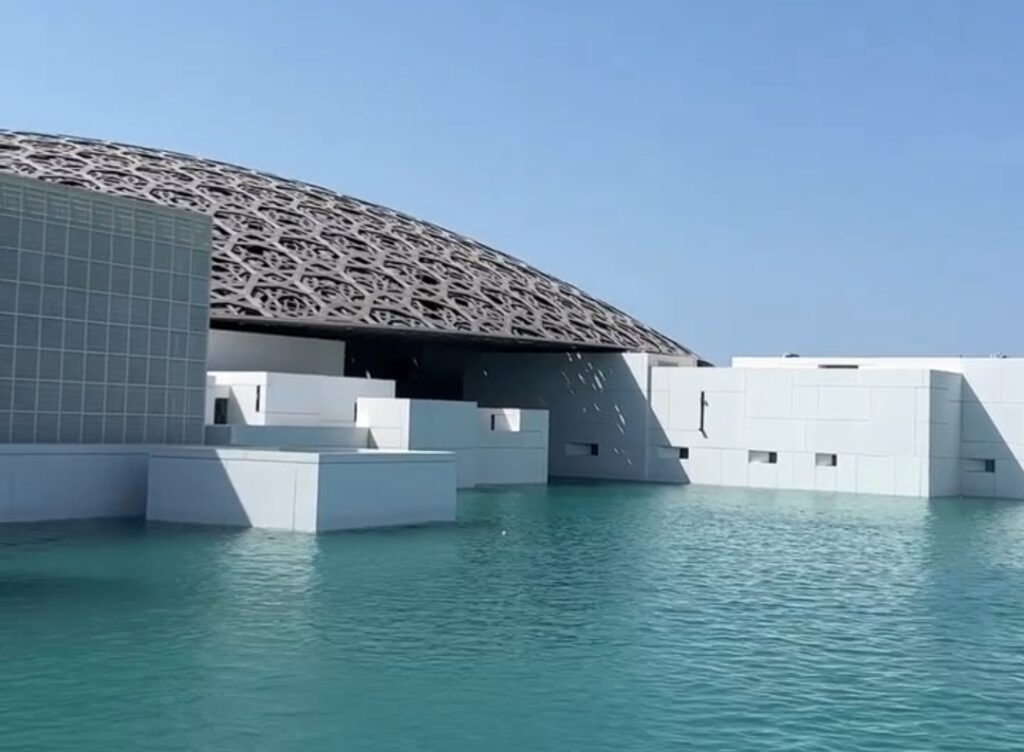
749, 179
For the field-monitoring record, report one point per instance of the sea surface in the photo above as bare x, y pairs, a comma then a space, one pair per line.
576, 617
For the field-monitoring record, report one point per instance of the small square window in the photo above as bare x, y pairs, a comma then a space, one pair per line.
576, 449
684, 453
990, 466
220, 411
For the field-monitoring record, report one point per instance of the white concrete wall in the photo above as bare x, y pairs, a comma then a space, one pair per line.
244, 391
260, 398
513, 447
64, 482
248, 351
878, 423
516, 452
992, 427
289, 437
300, 491
951, 365
302, 400
989, 412
944, 436
378, 489
404, 424
592, 399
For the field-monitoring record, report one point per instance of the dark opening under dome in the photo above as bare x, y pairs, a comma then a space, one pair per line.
289, 255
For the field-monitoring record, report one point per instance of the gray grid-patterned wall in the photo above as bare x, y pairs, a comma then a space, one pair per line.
104, 310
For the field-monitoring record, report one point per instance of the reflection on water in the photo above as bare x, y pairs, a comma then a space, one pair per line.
580, 617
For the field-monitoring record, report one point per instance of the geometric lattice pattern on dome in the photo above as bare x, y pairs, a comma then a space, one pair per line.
286, 251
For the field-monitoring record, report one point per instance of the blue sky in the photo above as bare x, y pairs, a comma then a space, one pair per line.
749, 177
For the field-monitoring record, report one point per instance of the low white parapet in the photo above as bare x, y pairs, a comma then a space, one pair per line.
292, 399
300, 491
41, 482
289, 437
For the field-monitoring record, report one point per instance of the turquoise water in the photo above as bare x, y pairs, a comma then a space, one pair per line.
607, 617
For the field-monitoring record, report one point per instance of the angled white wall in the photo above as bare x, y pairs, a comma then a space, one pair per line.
600, 419
992, 428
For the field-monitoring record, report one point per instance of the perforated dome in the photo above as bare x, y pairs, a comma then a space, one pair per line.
290, 254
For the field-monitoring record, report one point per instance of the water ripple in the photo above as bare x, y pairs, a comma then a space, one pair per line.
579, 617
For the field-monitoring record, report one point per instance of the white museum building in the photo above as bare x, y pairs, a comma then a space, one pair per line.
193, 342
